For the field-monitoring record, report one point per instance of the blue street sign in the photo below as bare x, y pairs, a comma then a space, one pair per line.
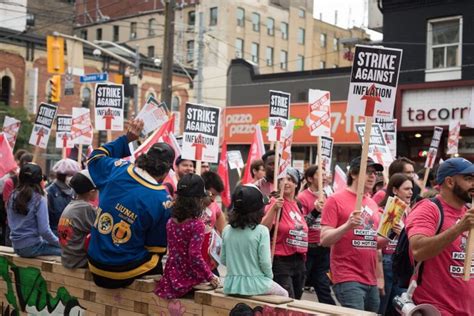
95, 77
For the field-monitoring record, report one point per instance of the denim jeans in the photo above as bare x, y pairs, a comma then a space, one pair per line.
289, 272
391, 288
317, 267
42, 248
358, 296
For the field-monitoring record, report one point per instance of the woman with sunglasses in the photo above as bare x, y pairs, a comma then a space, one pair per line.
401, 186
292, 237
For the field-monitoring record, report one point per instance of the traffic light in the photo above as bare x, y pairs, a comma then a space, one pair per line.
55, 47
55, 88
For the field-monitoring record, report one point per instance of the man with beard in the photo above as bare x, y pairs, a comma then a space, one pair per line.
443, 253
266, 183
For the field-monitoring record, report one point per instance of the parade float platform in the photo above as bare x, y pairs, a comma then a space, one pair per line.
42, 286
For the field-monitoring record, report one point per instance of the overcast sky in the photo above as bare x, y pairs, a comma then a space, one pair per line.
349, 13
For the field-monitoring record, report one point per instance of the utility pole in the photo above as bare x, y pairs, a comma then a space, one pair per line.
168, 45
200, 58
138, 74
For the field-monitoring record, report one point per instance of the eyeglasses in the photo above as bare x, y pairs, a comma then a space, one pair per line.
370, 172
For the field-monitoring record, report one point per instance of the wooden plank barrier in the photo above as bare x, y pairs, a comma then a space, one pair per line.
43, 286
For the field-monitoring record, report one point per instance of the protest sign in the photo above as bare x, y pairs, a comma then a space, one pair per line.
298, 164
109, 107
319, 102
235, 159
285, 153
433, 150
43, 123
391, 217
389, 128
374, 79
201, 133
11, 126
378, 149
63, 131
326, 153
81, 130
453, 138
154, 114
279, 114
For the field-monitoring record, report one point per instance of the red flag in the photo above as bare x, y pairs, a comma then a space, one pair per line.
256, 151
340, 179
6, 156
223, 172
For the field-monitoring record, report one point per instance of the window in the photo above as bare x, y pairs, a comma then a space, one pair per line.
322, 40
335, 66
255, 48
175, 104
239, 48
5, 90
98, 34
284, 30
301, 13
86, 97
152, 27
84, 34
335, 44
300, 36
189, 51
322, 64
444, 43
270, 26
256, 22
213, 16
133, 30
191, 18
300, 63
240, 15
269, 56
116, 33
283, 59
151, 51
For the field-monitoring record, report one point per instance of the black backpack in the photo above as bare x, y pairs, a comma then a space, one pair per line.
401, 265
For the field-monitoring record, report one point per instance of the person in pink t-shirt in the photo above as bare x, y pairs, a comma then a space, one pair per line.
317, 261
352, 235
401, 186
292, 237
443, 254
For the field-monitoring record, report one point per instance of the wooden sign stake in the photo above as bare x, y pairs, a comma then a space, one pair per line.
198, 167
425, 180
79, 156
363, 162
320, 169
468, 253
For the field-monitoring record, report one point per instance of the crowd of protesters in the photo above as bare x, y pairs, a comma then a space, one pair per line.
120, 219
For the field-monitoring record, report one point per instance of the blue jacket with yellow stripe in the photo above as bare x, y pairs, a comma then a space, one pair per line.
129, 234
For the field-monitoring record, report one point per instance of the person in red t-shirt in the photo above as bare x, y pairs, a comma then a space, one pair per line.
352, 234
292, 237
401, 186
443, 254
317, 261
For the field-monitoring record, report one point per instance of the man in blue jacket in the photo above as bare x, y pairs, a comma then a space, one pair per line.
128, 239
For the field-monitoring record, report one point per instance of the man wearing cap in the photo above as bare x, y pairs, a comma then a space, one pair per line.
266, 184
443, 253
352, 235
128, 239
183, 166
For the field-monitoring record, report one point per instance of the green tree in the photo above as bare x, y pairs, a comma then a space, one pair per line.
25, 128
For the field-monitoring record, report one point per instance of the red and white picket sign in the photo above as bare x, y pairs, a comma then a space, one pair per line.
81, 130
285, 153
453, 138
319, 112
11, 126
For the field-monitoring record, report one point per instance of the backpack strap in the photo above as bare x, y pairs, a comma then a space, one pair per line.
419, 265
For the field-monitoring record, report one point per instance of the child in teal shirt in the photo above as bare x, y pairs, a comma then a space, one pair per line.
246, 246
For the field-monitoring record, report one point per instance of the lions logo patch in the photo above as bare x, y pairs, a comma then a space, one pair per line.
121, 232
105, 223
119, 162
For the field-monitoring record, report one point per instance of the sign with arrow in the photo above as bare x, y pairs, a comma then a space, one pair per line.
63, 131
279, 114
374, 79
43, 123
109, 107
201, 133
378, 149
81, 129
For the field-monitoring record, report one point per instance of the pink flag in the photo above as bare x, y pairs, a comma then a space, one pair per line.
223, 172
6, 156
257, 149
340, 179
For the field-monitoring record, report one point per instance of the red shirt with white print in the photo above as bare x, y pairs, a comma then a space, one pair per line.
292, 234
307, 199
354, 256
442, 284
